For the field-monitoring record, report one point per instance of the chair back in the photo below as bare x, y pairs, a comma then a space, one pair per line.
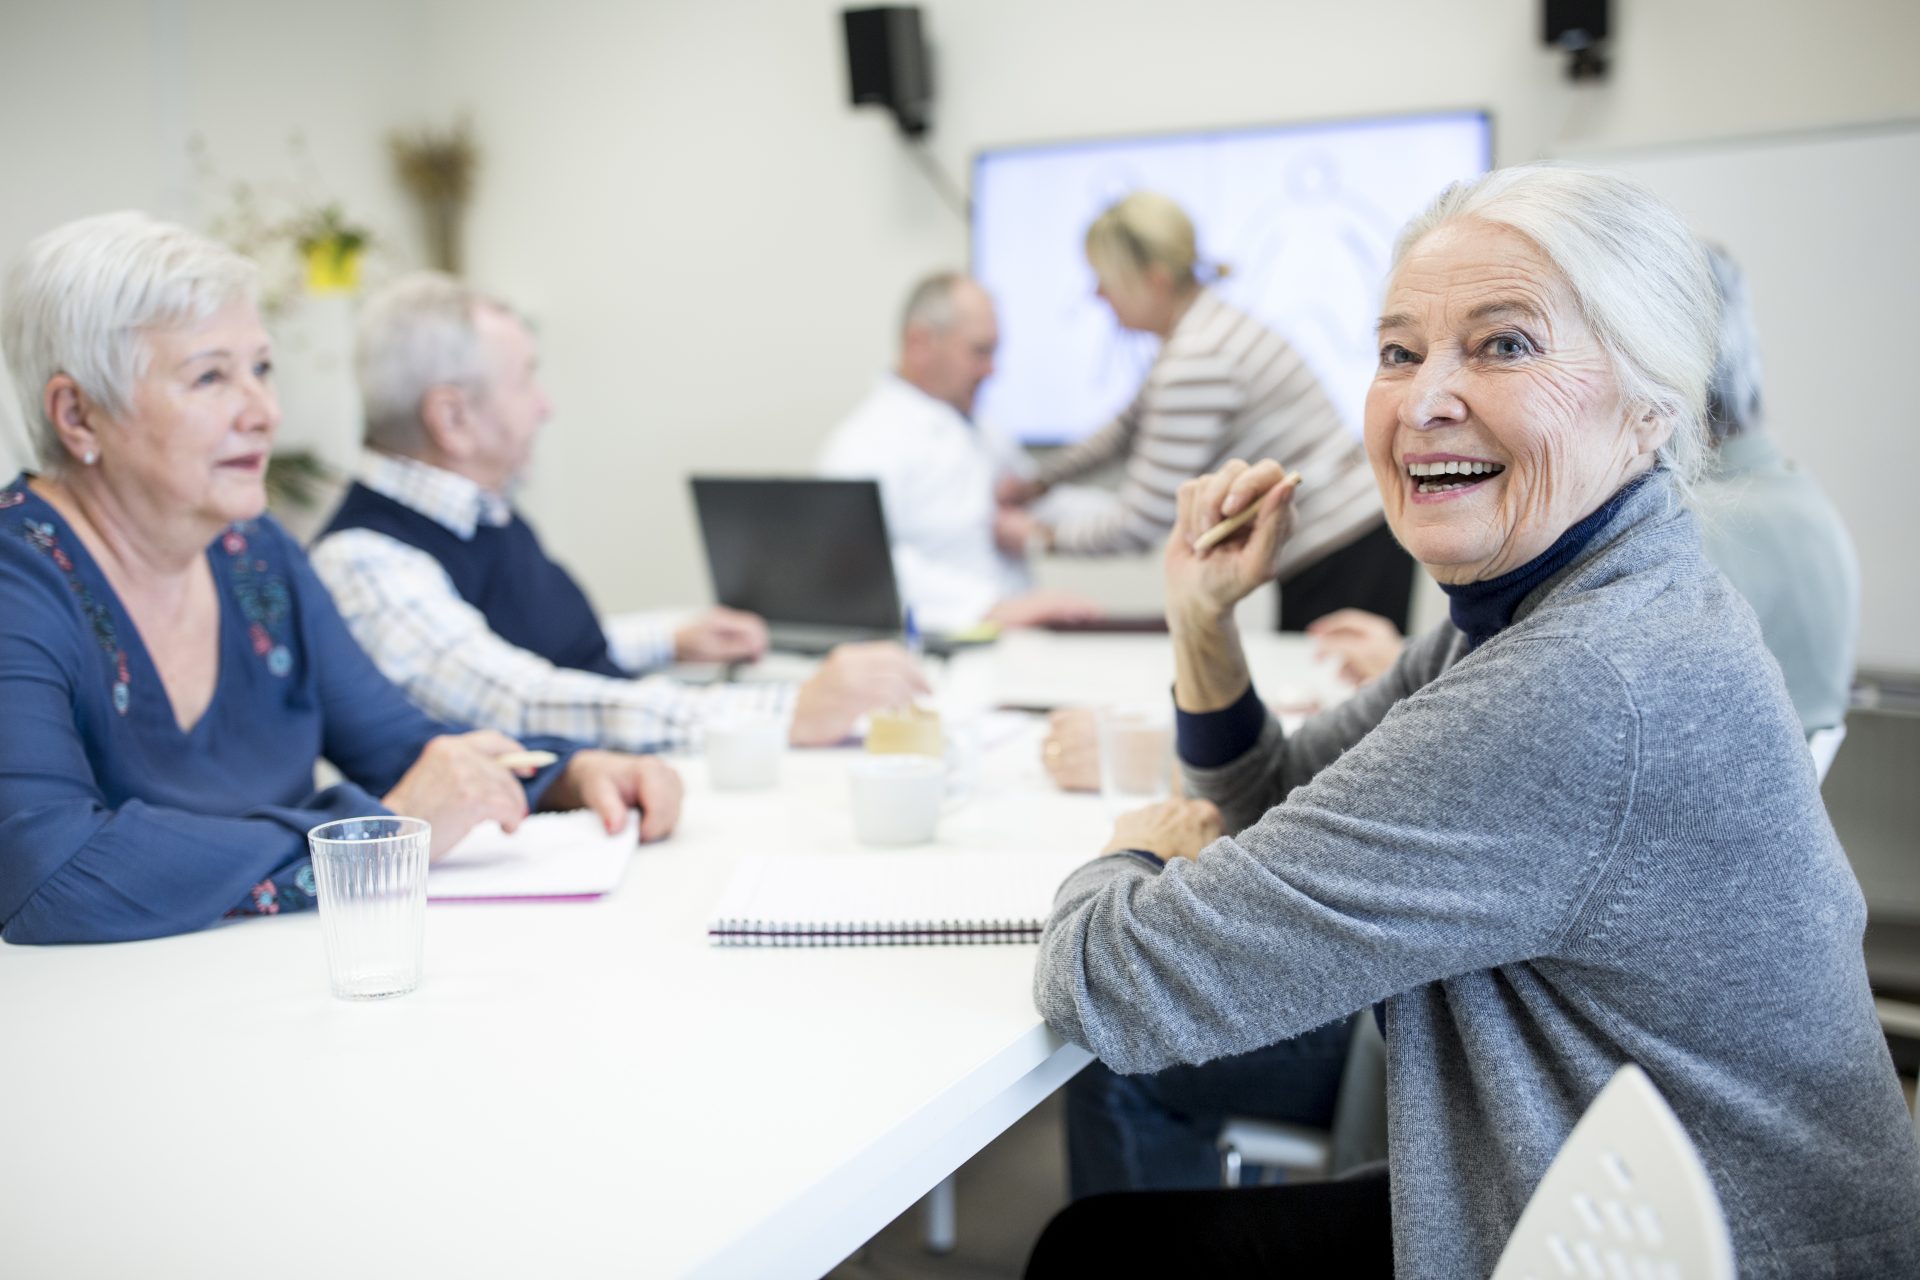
1825, 745
1626, 1196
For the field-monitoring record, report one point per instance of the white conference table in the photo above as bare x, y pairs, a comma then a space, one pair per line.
575, 1089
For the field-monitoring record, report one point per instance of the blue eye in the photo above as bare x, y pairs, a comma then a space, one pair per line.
1508, 346
1393, 355
263, 370
208, 378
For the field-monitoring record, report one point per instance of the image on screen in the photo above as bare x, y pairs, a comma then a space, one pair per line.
1303, 215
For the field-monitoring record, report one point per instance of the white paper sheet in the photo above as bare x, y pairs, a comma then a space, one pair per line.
551, 855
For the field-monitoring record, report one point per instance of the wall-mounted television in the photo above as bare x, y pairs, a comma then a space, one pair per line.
1304, 215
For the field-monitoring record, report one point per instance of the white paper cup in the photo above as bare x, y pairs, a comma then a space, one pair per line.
371, 874
896, 799
743, 753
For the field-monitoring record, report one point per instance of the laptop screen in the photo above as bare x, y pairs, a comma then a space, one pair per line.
811, 552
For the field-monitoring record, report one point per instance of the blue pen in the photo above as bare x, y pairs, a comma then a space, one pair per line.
914, 644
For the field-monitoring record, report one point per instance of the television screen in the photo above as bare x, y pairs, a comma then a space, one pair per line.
1304, 217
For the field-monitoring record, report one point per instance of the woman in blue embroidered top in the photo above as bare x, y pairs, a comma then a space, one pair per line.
170, 669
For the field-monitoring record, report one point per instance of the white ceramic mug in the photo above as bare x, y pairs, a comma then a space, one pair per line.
896, 799
743, 752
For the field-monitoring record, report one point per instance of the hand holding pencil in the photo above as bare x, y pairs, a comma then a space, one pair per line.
1227, 536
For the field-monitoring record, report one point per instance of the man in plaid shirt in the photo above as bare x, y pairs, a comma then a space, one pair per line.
448, 590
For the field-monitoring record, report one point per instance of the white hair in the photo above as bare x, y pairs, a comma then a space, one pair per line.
1638, 274
82, 298
416, 334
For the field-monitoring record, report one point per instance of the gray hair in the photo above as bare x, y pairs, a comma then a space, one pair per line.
82, 298
1733, 397
1639, 275
931, 305
416, 334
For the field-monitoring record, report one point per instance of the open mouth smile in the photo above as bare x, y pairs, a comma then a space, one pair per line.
1450, 475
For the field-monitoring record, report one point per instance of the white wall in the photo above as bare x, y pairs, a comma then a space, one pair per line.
716, 245
98, 101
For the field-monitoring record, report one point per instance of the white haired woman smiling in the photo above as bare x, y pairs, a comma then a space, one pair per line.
170, 668
1574, 827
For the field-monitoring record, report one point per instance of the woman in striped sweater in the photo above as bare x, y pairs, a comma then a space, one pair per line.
1223, 386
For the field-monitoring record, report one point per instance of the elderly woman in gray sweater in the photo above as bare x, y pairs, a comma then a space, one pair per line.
1574, 827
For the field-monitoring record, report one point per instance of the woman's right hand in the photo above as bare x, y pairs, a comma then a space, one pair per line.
458, 783
1203, 586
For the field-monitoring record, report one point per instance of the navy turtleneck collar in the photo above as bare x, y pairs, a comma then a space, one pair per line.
1483, 609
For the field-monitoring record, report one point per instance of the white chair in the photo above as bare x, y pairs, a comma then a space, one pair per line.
1825, 745
1358, 1136
1626, 1197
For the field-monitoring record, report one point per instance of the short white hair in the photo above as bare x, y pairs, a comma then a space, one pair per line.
1637, 272
83, 297
417, 333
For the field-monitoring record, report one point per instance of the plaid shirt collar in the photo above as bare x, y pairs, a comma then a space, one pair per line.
443, 497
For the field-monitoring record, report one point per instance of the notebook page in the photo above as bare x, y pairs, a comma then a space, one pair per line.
551, 855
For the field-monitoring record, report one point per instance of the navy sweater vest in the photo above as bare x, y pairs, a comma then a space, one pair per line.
529, 601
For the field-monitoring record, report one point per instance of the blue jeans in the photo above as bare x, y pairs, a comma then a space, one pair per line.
1156, 1132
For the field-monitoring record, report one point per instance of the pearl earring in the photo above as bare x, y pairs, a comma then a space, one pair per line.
91, 458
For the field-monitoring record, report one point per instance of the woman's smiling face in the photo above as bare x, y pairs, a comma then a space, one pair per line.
1495, 421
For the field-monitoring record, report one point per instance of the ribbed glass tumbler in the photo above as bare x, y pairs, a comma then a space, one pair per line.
372, 877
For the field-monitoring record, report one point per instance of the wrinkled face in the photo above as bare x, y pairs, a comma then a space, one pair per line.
508, 416
199, 427
1494, 421
950, 364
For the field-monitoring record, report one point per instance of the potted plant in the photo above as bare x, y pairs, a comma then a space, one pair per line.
332, 247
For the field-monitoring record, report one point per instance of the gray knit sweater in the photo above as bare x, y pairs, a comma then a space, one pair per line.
1595, 839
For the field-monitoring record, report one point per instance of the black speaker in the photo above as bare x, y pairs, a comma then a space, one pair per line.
1579, 27
887, 63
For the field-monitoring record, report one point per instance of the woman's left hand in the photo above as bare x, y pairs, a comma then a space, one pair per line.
1170, 829
612, 782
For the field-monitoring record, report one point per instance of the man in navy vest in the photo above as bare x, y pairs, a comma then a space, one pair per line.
447, 588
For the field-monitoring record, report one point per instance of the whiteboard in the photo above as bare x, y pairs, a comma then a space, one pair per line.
1824, 224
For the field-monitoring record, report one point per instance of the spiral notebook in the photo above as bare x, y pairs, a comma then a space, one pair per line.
907, 897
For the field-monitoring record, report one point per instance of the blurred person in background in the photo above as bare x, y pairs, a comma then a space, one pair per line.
449, 591
937, 466
1222, 386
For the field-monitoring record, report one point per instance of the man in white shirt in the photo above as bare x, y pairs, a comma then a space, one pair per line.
916, 435
448, 590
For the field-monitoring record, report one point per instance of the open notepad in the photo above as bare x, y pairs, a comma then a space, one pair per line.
551, 855
906, 897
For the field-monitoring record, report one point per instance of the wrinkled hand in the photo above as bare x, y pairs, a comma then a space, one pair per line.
721, 635
1014, 528
1071, 750
1171, 829
1042, 607
1365, 644
1205, 585
611, 783
458, 783
855, 679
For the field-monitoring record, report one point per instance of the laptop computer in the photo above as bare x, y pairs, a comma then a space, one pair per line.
809, 556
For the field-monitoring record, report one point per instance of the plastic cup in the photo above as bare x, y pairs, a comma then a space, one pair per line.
896, 798
372, 878
1136, 756
743, 752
